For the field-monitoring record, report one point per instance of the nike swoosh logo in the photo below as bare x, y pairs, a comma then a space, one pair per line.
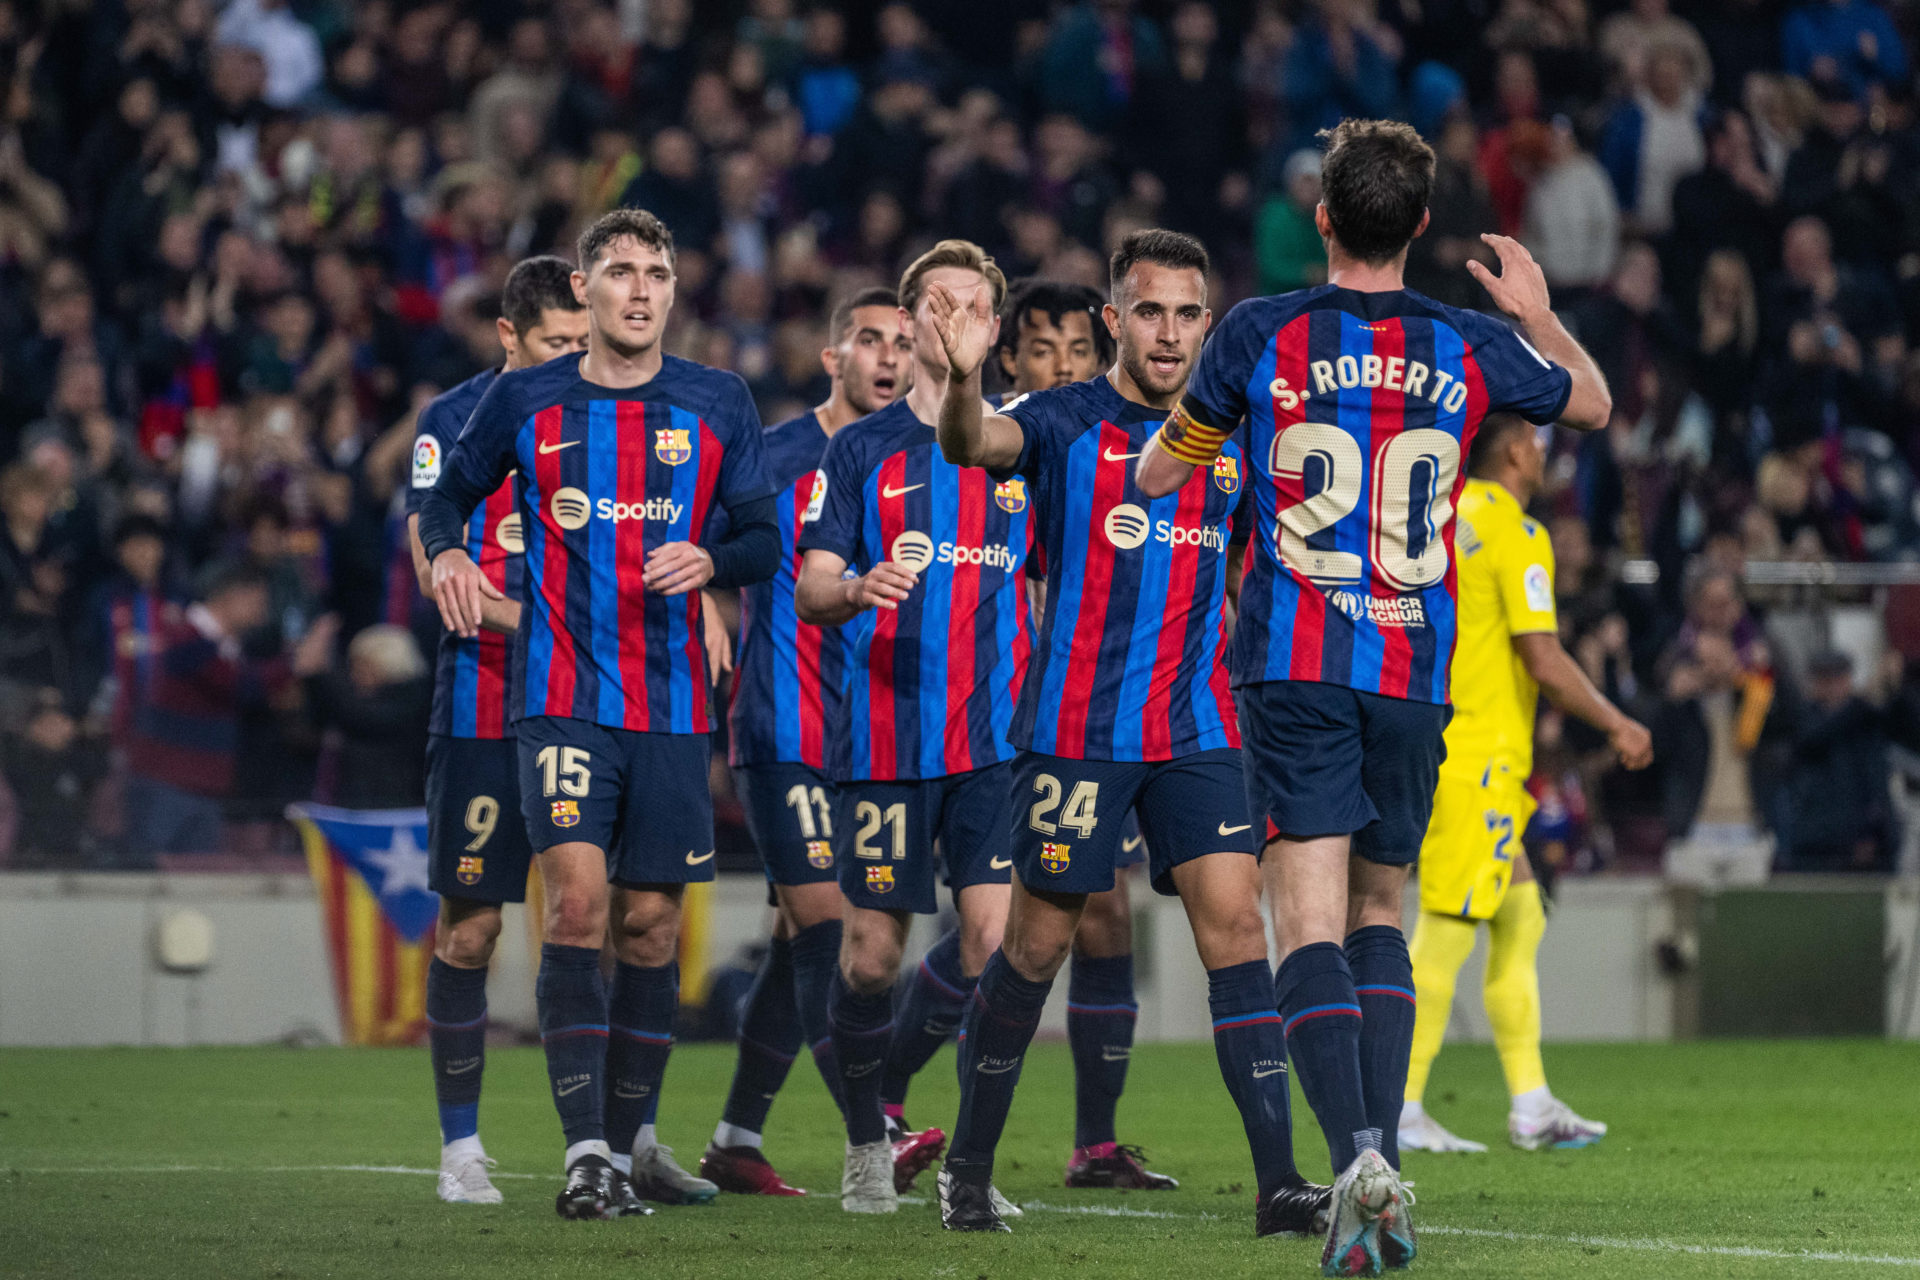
469, 1065
890, 492
1000, 864
694, 862
546, 449
621, 1091
1270, 1071
1110, 456
987, 1070
1114, 1053
1226, 830
575, 1087
859, 1069
1128, 846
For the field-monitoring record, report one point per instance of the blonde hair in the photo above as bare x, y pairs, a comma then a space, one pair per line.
952, 253
389, 650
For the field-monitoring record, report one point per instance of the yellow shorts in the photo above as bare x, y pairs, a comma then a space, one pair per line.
1466, 861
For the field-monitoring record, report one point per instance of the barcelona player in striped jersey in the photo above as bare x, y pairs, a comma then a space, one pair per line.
941, 639
476, 845
786, 692
1126, 707
1360, 400
1053, 334
624, 452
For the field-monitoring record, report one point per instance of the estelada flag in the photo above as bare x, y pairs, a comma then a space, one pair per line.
369, 871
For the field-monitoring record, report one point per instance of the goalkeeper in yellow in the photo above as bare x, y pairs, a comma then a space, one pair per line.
1472, 866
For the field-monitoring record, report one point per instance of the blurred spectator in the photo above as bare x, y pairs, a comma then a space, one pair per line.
1653, 139
1095, 60
288, 46
52, 765
180, 747
1838, 811
1729, 204
1629, 38
1287, 243
1459, 212
379, 707
1343, 63
1852, 42
1573, 224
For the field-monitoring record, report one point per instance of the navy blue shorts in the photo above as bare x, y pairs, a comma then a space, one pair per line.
884, 839
1133, 845
1326, 760
476, 841
641, 797
791, 811
1070, 816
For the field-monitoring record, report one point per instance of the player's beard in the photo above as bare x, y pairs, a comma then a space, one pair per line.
1151, 380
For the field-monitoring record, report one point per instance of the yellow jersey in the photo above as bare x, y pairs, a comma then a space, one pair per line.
1506, 590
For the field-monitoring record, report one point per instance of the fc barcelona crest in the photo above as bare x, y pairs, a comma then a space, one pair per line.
820, 855
1226, 474
1011, 495
566, 813
672, 446
1054, 857
470, 870
879, 879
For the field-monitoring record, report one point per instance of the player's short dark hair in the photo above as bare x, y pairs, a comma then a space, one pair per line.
964, 254
1490, 444
536, 286
1375, 182
840, 321
615, 224
1162, 248
1056, 300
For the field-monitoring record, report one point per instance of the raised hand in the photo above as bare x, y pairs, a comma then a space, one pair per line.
965, 328
1520, 290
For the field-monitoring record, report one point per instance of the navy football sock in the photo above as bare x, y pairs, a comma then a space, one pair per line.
1322, 1016
769, 1039
935, 998
1252, 1052
1000, 1024
572, 999
816, 958
1383, 979
862, 1026
457, 1038
1100, 1018
640, 1020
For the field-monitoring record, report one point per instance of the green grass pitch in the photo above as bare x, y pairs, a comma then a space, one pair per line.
1725, 1159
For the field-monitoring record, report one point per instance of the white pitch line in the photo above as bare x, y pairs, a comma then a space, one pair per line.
1631, 1244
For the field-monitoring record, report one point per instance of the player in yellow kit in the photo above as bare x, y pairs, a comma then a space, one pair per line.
1472, 866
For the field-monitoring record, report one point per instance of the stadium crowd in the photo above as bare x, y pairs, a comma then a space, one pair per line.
242, 245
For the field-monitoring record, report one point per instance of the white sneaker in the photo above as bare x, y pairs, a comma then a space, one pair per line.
1556, 1127
1424, 1133
1003, 1206
658, 1177
1370, 1225
464, 1180
866, 1184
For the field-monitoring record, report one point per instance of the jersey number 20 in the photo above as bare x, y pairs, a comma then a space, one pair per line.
1413, 475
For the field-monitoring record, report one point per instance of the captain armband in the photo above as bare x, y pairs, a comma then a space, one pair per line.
1190, 440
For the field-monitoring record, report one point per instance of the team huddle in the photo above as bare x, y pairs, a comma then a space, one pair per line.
1179, 599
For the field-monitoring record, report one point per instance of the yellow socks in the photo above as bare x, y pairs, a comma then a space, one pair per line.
1512, 988
1441, 944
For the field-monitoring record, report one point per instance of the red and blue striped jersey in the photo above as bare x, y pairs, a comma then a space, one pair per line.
1131, 662
932, 684
608, 475
1360, 409
788, 675
470, 676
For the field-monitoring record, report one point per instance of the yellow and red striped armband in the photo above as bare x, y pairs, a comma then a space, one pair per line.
1193, 442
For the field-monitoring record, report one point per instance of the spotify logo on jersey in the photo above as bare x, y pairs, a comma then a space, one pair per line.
571, 509
1126, 526
913, 550
507, 534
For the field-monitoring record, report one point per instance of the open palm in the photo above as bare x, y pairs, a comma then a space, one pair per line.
965, 328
